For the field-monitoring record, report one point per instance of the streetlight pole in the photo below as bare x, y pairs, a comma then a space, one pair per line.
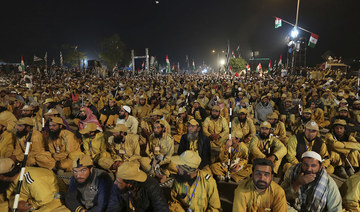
297, 13
295, 28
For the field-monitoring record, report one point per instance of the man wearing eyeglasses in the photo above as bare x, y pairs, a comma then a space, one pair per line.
89, 188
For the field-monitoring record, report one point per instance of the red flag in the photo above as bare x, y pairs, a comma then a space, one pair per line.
233, 54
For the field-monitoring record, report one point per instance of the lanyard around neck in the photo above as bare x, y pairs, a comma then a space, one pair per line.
192, 195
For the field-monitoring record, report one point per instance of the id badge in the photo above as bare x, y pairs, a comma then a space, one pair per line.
122, 151
157, 149
57, 149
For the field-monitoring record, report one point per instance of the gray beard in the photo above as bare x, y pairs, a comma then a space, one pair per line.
192, 136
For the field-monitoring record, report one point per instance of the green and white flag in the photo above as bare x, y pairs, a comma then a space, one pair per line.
277, 22
167, 64
313, 40
258, 68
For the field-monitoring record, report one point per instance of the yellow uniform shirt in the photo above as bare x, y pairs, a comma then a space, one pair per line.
350, 192
7, 142
219, 126
66, 146
205, 197
248, 199
40, 187
94, 146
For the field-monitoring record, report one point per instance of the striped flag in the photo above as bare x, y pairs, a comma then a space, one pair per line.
258, 68
233, 54
313, 40
248, 67
269, 68
280, 62
277, 22
193, 64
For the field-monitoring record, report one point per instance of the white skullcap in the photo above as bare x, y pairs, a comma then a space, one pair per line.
312, 154
127, 108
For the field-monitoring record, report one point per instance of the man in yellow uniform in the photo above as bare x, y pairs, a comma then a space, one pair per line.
63, 145
93, 141
343, 149
8, 116
202, 99
164, 108
355, 111
7, 140
142, 109
245, 125
99, 104
109, 114
41, 190
277, 127
146, 124
216, 128
229, 100
318, 115
198, 111
37, 154
267, 146
260, 193
193, 190
238, 154
350, 192
27, 111
299, 124
121, 147
159, 151
307, 141
181, 124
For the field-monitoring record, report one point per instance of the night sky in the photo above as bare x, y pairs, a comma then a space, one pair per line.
176, 27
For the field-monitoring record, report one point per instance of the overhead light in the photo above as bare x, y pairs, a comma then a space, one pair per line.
294, 33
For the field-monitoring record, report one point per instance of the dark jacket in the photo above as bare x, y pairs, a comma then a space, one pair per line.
149, 197
93, 196
203, 148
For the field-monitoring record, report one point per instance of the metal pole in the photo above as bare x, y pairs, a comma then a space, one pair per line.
133, 61
292, 62
305, 54
297, 13
147, 59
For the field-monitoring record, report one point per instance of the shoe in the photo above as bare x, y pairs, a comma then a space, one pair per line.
349, 171
340, 171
